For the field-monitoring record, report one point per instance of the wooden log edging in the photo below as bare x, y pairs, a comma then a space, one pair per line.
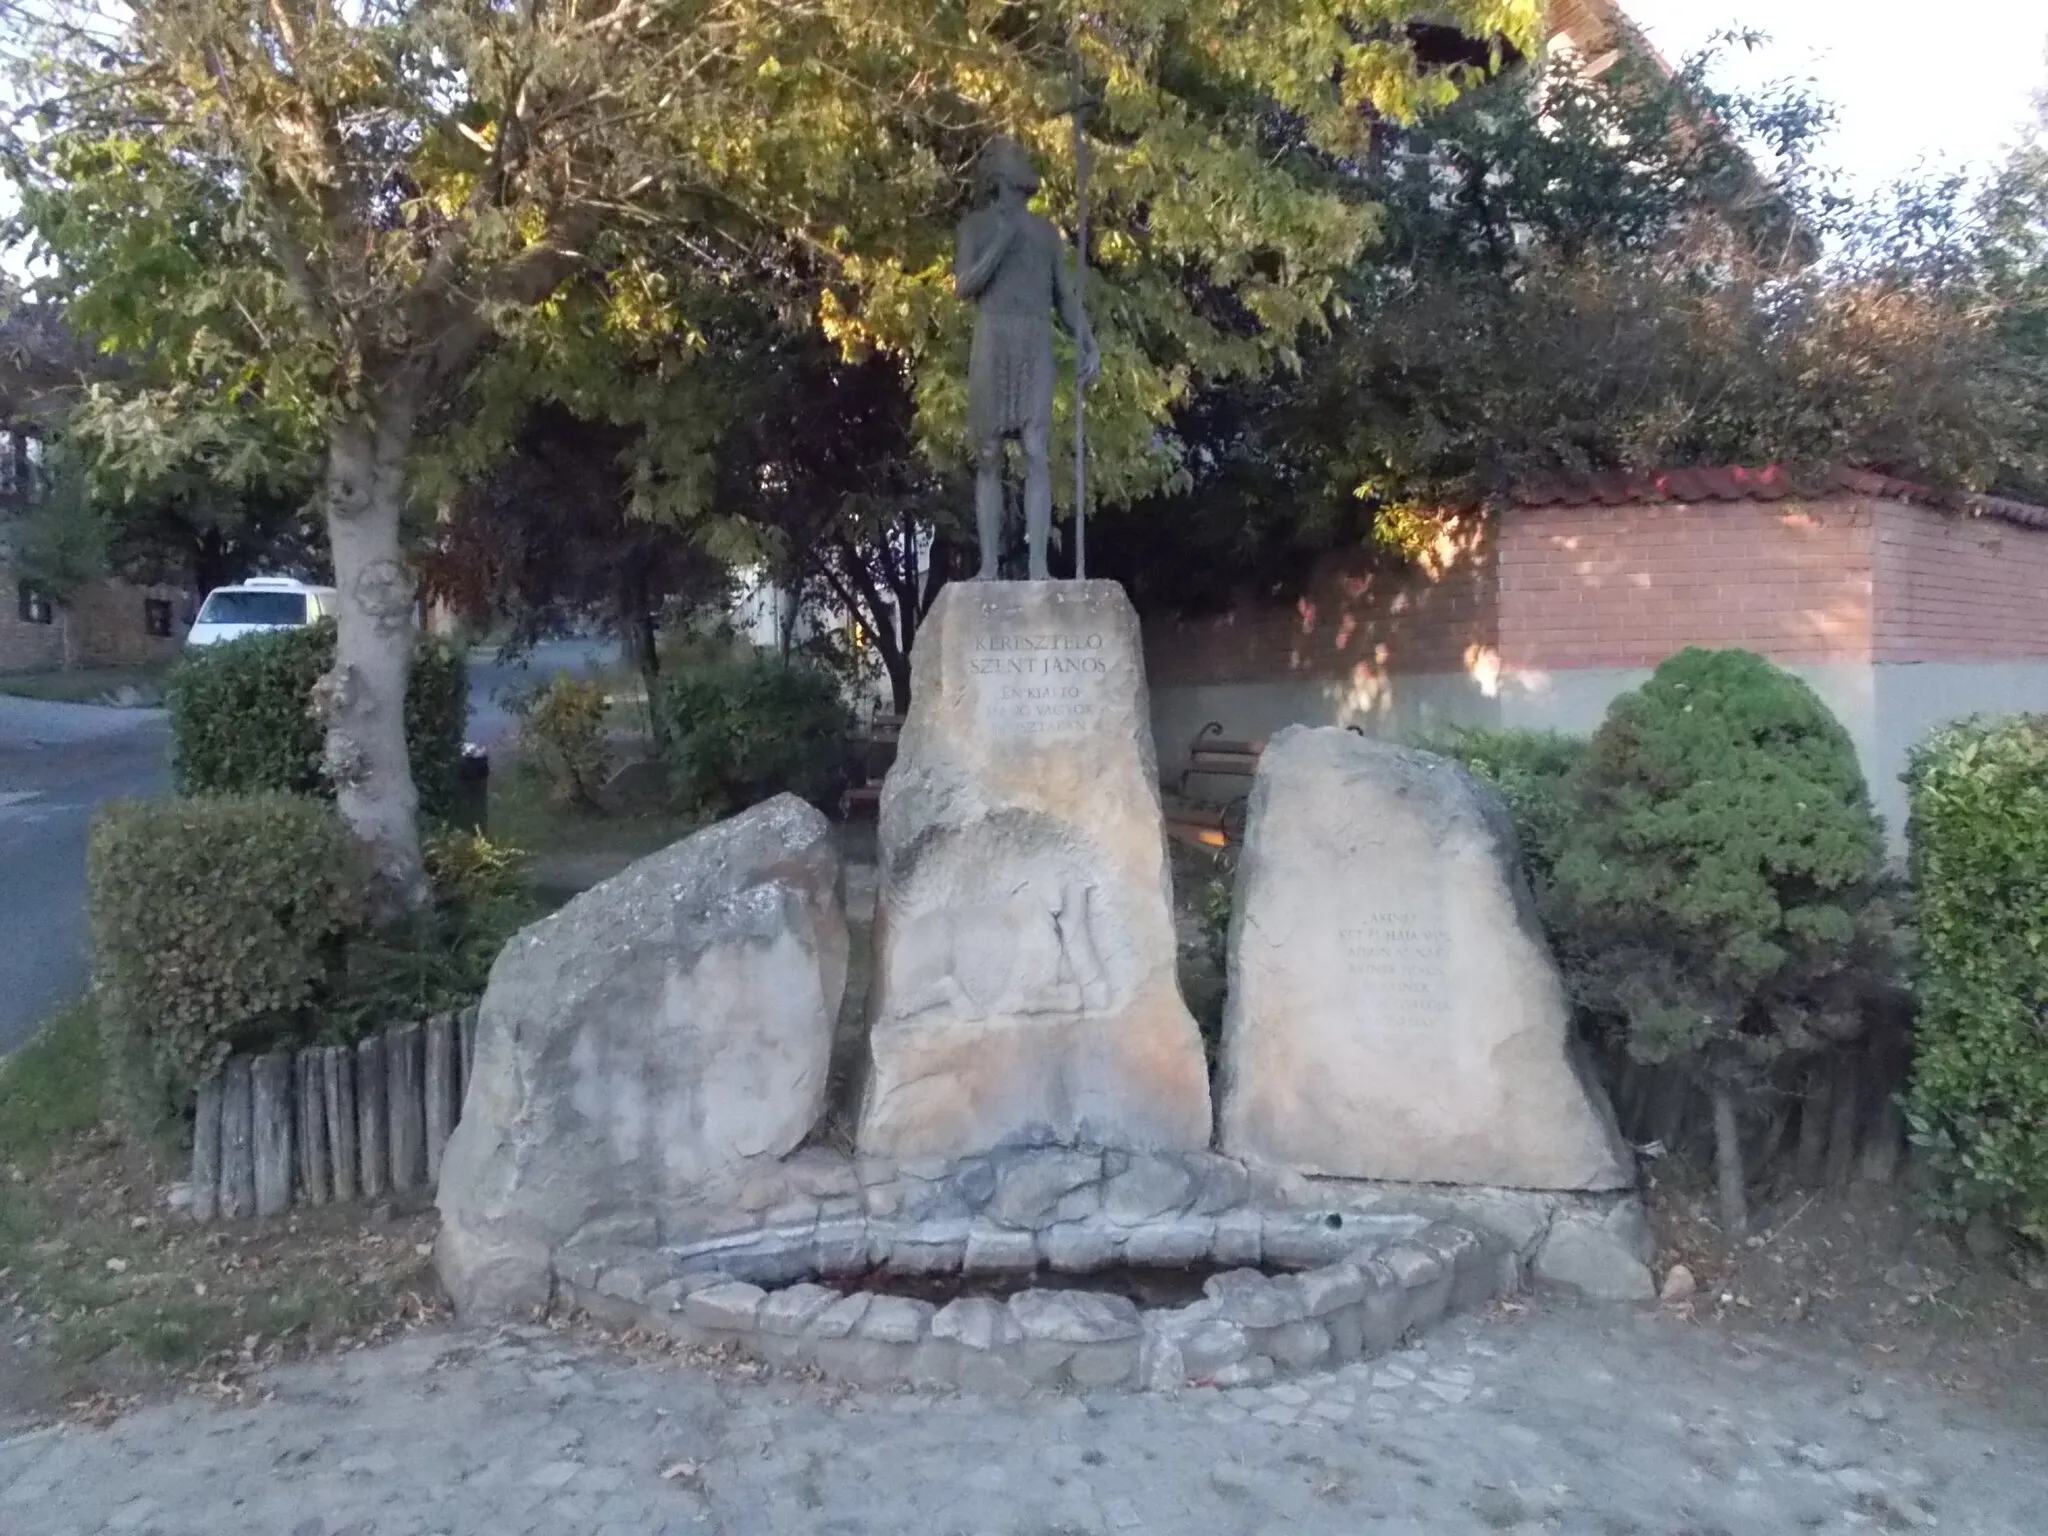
334, 1123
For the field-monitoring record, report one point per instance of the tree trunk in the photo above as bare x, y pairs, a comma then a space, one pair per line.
1847, 1119
1728, 1166
363, 699
1816, 1109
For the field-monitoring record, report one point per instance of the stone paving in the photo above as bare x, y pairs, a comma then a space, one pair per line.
1568, 1420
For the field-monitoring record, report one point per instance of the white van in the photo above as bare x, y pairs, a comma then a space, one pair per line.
257, 606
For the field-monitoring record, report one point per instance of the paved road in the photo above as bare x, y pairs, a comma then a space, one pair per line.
1581, 1422
493, 683
57, 763
60, 761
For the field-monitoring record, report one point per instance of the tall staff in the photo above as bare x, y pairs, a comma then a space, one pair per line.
1081, 105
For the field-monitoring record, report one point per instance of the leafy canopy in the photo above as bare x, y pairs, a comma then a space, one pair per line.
305, 209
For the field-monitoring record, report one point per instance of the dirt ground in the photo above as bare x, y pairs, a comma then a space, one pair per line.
1863, 1275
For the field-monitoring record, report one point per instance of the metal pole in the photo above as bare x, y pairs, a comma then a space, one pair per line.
1081, 301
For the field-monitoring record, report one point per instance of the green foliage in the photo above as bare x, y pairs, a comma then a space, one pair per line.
441, 956
561, 724
1719, 883
219, 923
1532, 772
242, 720
748, 726
1979, 838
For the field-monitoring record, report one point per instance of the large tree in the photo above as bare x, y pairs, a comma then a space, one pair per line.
1629, 271
334, 209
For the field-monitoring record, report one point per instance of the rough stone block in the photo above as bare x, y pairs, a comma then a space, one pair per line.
839, 1320
1222, 1183
1079, 1248
1172, 1240
1307, 1239
841, 1246
665, 1030
896, 1320
1151, 1187
1025, 961
997, 1250
1338, 1285
1393, 1011
732, 1308
1105, 1365
976, 1322
1296, 1346
1347, 1332
1030, 1185
790, 1312
1246, 1297
1240, 1238
1598, 1253
930, 1248
1075, 1317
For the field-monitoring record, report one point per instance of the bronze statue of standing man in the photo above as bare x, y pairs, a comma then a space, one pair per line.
1011, 264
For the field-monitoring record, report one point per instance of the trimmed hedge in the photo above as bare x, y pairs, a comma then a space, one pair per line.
1723, 867
219, 924
1978, 833
1532, 773
744, 728
242, 721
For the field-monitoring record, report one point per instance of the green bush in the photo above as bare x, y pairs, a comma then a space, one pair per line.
1532, 773
1979, 839
1719, 891
242, 721
442, 956
743, 728
219, 924
562, 725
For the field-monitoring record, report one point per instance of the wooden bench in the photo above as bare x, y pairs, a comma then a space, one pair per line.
1213, 755
874, 756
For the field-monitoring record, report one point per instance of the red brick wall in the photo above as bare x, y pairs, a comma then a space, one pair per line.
1952, 588
1563, 588
1353, 620
1599, 586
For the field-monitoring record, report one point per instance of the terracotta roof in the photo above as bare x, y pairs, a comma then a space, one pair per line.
1771, 482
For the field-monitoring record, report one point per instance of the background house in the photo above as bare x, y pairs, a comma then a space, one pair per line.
102, 621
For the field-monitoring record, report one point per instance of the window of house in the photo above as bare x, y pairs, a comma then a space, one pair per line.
33, 604
156, 617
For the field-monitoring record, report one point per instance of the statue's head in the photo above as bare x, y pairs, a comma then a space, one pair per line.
1005, 165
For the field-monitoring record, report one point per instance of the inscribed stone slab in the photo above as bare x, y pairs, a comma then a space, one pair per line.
1393, 1010
1025, 985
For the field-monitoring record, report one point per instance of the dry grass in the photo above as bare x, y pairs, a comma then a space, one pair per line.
107, 1295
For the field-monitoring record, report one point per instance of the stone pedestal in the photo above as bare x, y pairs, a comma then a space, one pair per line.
653, 1040
1024, 980
1394, 1012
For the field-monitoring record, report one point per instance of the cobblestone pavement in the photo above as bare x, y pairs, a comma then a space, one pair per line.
1559, 1420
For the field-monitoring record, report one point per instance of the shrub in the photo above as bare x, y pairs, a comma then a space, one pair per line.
1720, 882
1532, 773
441, 957
242, 721
1979, 839
743, 728
562, 725
219, 923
